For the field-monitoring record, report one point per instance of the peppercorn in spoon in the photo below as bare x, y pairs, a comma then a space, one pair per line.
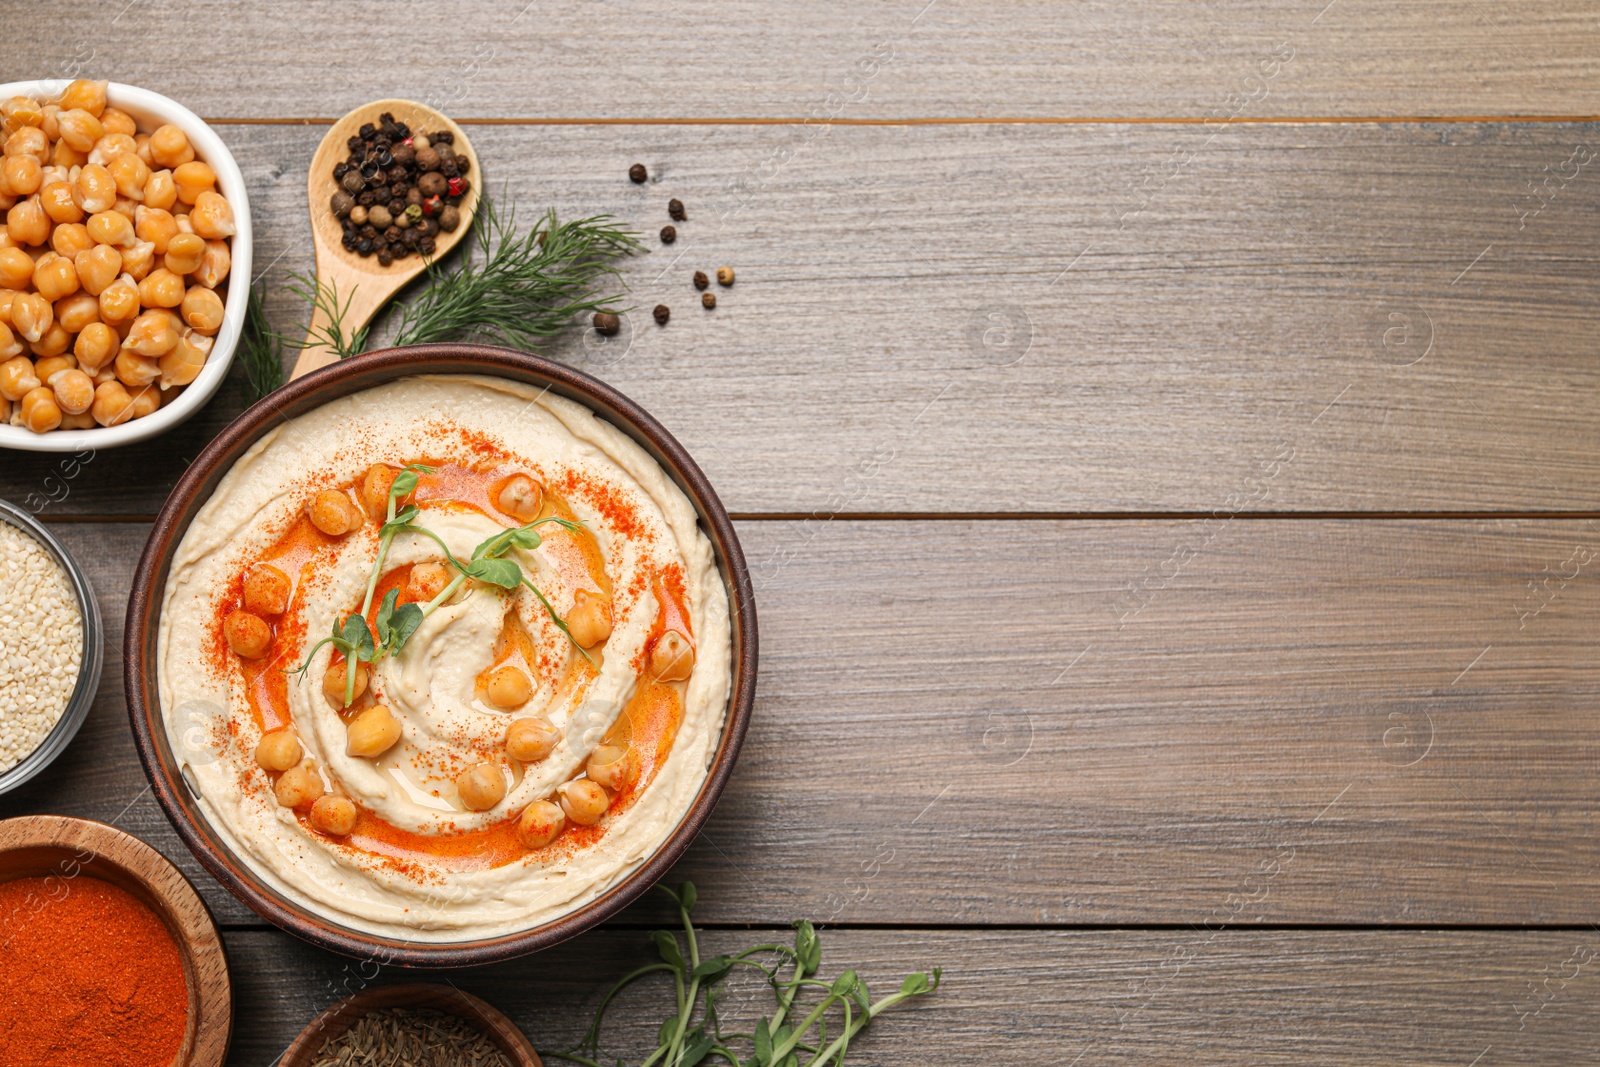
392, 188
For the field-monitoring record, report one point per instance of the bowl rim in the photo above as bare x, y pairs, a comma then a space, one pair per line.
311, 391
330, 1022
90, 663
180, 906
209, 147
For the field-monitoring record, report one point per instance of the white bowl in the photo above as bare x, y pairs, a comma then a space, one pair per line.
150, 110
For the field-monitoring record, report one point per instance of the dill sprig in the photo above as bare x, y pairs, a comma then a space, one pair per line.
260, 349
325, 299
517, 291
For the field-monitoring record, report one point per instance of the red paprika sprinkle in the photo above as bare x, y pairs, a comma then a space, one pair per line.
88, 974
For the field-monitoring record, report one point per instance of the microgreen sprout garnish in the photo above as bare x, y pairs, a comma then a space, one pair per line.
693, 1033
397, 622
403, 485
355, 641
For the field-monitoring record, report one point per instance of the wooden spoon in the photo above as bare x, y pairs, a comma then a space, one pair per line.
361, 281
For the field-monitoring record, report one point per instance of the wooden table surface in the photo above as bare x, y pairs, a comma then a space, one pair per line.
1163, 435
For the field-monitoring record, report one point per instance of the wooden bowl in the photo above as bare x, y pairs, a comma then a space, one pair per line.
343, 1015
195, 488
59, 847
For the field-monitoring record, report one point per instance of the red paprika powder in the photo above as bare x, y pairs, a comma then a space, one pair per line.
88, 975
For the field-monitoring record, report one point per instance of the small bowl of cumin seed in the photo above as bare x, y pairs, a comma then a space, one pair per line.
50, 647
419, 1023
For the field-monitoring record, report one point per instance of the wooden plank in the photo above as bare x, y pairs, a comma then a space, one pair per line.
1024, 318
911, 58
1032, 997
980, 722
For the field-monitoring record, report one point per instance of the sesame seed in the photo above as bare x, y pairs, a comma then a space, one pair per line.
41, 643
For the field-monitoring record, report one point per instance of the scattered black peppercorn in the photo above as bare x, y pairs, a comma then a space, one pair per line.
638, 173
668, 235
724, 275
708, 300
700, 279
607, 323
675, 209
662, 313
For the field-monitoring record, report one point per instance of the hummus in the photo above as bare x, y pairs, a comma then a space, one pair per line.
404, 841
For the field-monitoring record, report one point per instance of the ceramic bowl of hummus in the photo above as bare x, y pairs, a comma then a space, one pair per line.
441, 655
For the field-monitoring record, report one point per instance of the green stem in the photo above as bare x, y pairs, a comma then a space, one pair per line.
551, 611
410, 528
350, 662
383, 552
843, 1041
377, 567
444, 594
780, 1051
592, 1038
675, 1050
787, 993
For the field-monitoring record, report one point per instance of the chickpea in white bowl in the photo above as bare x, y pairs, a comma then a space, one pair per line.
126, 226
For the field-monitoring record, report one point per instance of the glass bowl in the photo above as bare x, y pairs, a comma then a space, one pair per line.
89, 664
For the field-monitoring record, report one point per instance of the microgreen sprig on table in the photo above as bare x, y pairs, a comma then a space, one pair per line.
396, 622
693, 1033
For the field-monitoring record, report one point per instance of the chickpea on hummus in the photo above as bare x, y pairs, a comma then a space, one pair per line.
445, 659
